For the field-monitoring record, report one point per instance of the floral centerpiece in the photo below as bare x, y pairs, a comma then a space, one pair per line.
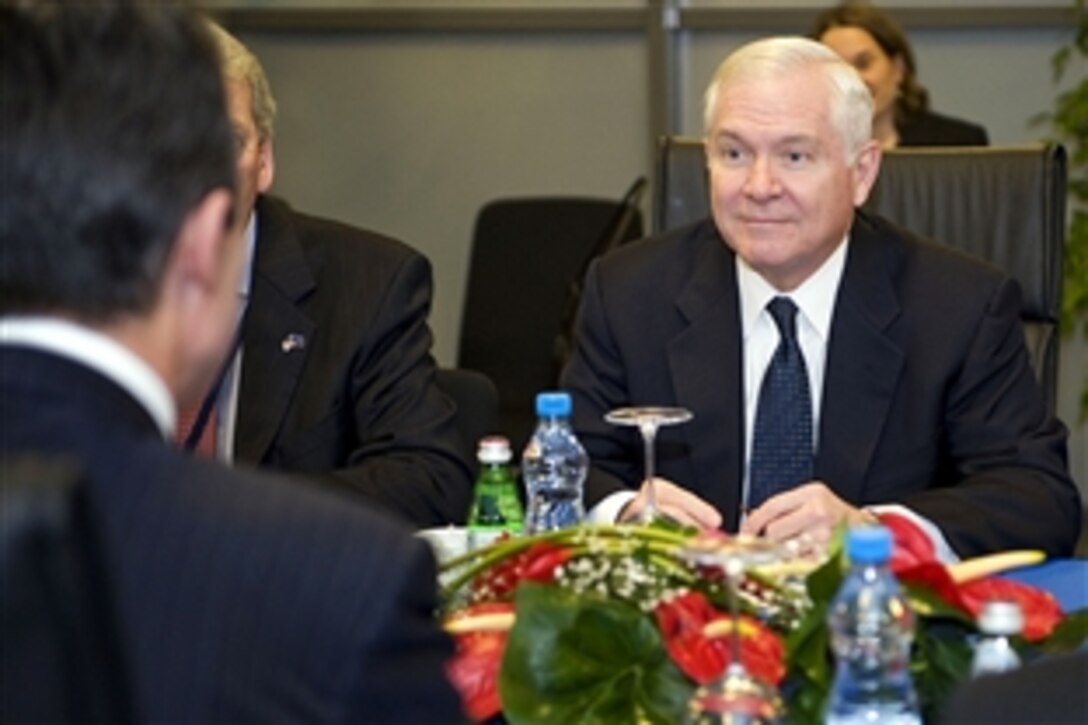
621, 624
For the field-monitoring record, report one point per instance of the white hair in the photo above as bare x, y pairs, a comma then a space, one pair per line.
239, 64
851, 104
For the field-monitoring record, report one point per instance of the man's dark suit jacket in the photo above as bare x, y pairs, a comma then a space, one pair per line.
239, 598
355, 404
933, 129
929, 398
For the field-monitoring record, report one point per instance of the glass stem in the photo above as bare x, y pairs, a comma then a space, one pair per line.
734, 570
649, 434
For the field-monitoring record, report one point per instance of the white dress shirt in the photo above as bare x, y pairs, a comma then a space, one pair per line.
815, 300
227, 401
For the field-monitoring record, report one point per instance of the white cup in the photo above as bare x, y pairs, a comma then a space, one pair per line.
447, 541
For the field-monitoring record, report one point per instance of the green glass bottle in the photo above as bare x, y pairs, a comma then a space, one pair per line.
496, 509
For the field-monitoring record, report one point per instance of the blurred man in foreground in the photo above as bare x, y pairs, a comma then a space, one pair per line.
836, 365
333, 377
239, 598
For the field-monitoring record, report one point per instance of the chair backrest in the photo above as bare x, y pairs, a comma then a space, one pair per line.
682, 190
477, 402
61, 659
1003, 204
526, 253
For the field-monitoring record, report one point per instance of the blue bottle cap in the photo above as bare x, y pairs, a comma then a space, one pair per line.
552, 404
869, 544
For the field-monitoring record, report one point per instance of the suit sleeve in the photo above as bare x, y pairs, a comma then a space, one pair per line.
402, 676
1010, 486
597, 381
405, 454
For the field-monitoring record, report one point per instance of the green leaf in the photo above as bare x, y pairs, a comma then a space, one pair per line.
664, 523
1069, 121
805, 701
940, 661
809, 662
577, 659
824, 582
807, 647
925, 603
1058, 62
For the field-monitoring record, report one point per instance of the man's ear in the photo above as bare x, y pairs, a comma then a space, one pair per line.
193, 296
866, 167
267, 168
198, 249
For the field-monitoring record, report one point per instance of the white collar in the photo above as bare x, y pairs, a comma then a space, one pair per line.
815, 297
100, 353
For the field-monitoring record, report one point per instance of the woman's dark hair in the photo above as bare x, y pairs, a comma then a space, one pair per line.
913, 97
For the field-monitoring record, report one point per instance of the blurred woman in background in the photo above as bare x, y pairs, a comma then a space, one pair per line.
872, 42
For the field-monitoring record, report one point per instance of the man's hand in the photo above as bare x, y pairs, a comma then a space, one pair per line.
806, 515
676, 503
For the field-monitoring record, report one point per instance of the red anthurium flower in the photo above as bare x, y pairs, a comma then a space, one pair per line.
1041, 611
934, 576
542, 561
912, 546
914, 561
537, 563
474, 669
683, 620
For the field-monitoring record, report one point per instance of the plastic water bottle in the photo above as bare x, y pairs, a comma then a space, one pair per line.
495, 509
998, 621
871, 627
554, 466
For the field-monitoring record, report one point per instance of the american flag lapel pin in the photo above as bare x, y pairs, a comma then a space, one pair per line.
293, 341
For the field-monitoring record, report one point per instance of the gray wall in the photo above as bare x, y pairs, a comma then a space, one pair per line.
410, 132
999, 77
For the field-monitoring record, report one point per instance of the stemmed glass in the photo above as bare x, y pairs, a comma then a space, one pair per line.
648, 418
737, 697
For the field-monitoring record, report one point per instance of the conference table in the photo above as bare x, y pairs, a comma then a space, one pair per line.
1066, 579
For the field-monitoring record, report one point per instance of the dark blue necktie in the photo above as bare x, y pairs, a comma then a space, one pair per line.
782, 438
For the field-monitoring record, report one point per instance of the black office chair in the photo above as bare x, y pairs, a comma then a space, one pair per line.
477, 402
1003, 204
526, 254
682, 189
61, 658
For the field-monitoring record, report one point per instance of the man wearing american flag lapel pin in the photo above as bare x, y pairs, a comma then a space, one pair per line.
333, 376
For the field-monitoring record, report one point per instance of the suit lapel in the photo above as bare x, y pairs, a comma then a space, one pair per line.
863, 364
705, 364
278, 334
